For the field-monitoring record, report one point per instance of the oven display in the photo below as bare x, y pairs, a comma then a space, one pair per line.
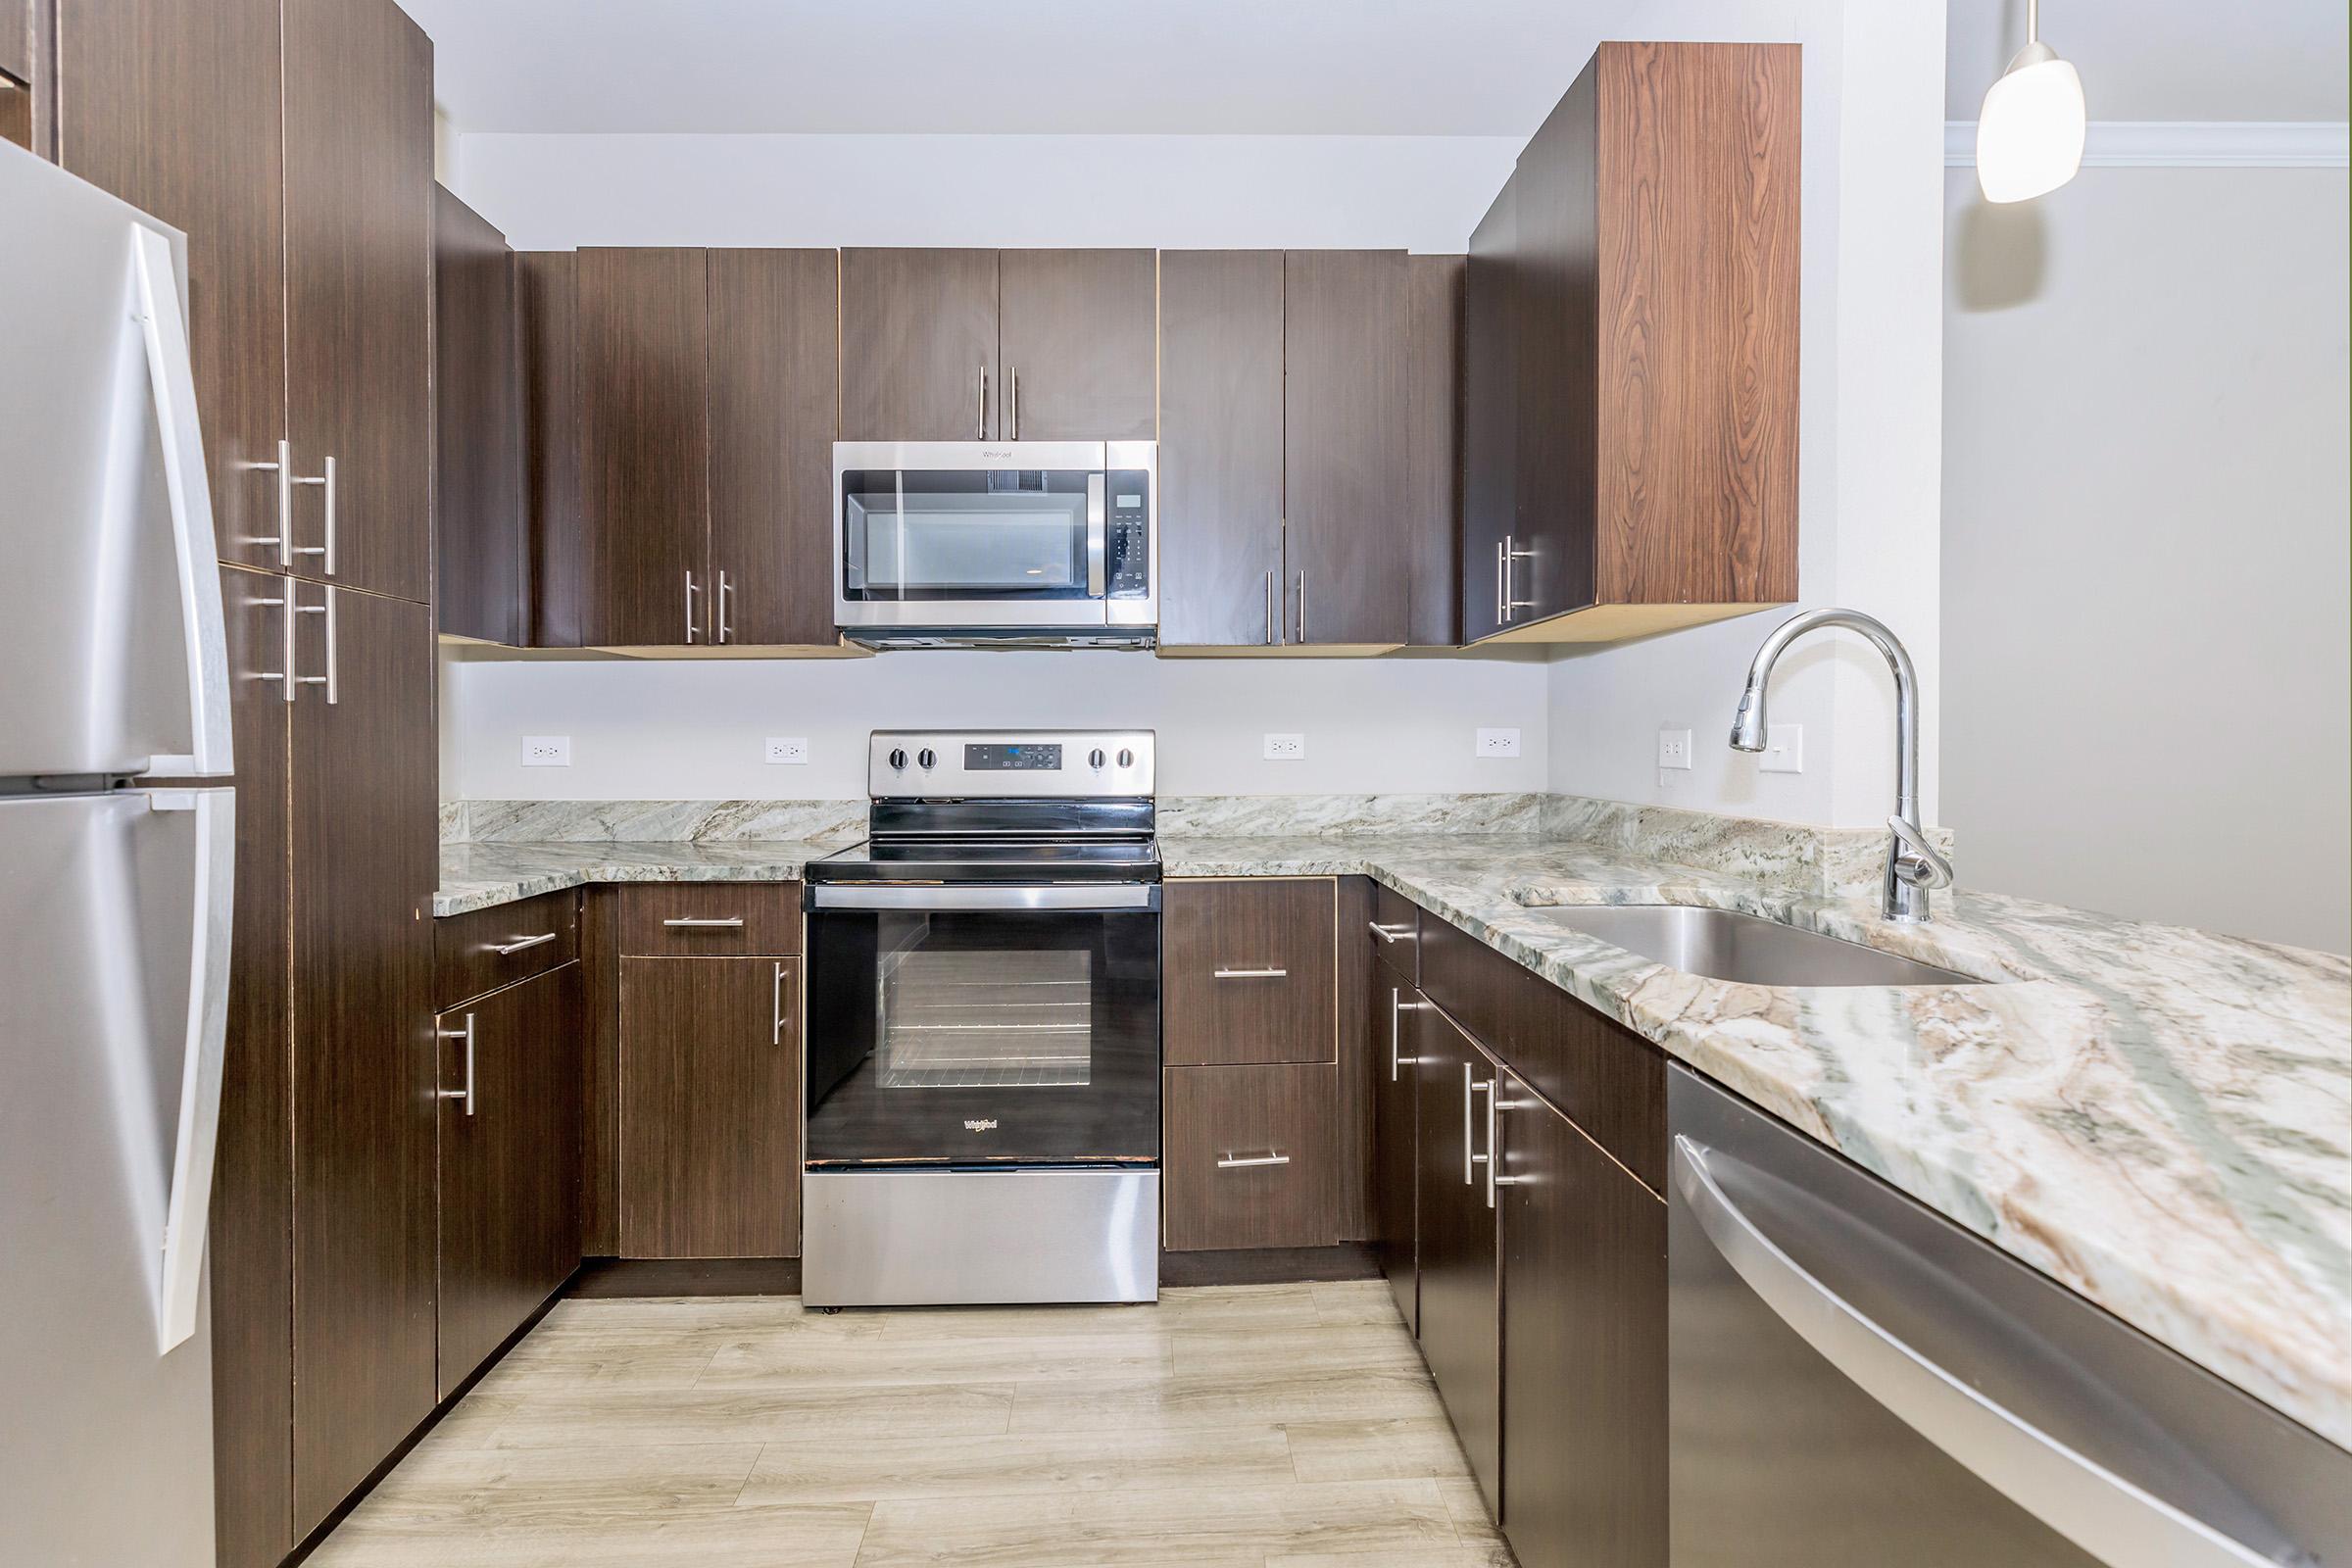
1034, 757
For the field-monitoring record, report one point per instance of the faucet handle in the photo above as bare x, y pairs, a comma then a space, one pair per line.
1916, 861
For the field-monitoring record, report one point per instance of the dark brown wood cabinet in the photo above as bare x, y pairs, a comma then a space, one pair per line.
1078, 337
1248, 1156
509, 1162
1394, 1145
1220, 448
366, 863
1246, 971
1632, 353
1584, 1346
708, 1101
1347, 509
918, 345
1461, 1336
1433, 286
484, 950
481, 555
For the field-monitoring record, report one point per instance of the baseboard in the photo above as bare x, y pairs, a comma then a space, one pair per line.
607, 1278
1270, 1265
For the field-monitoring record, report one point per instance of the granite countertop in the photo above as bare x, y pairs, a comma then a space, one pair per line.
2156, 1117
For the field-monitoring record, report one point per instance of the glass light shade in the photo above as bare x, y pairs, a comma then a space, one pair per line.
2030, 132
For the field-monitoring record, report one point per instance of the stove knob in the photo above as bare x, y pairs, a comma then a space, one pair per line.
898, 760
1126, 758
1094, 759
928, 758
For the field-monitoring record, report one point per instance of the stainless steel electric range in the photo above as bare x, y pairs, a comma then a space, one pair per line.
983, 1027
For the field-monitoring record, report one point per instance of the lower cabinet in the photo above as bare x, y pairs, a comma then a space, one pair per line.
1395, 1141
1250, 1156
1461, 1317
509, 1163
709, 1093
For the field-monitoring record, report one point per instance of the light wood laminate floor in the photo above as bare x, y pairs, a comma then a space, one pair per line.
1264, 1426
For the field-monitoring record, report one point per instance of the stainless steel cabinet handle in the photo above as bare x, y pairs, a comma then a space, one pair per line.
1501, 589
727, 630
1012, 401
691, 591
692, 924
327, 680
980, 384
1302, 606
1493, 1150
283, 468
326, 478
284, 601
1512, 604
1471, 1158
1094, 535
1270, 629
466, 1093
1243, 1161
1398, 1009
2073, 1493
1391, 934
1251, 975
775, 1009
506, 950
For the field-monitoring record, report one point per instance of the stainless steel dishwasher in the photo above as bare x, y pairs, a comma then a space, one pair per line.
1856, 1382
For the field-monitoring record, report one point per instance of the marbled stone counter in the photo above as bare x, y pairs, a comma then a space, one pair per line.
479, 876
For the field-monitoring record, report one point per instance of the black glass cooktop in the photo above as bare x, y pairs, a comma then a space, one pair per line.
993, 860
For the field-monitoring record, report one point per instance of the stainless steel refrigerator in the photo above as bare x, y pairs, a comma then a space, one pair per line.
114, 891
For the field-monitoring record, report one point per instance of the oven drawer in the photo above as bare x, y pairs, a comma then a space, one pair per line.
476, 953
710, 920
1250, 1156
1248, 971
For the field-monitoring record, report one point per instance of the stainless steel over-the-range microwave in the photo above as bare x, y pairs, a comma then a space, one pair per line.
1020, 542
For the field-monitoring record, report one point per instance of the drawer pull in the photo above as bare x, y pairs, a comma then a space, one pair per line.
506, 950
466, 1093
1239, 1161
1391, 934
1252, 974
732, 922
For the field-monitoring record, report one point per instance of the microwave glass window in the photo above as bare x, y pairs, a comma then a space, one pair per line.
983, 1018
965, 534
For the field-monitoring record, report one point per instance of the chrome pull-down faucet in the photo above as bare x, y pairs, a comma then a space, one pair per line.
1913, 866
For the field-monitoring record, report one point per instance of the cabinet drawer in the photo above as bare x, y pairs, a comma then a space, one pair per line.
1247, 971
476, 953
1248, 1154
1395, 935
710, 920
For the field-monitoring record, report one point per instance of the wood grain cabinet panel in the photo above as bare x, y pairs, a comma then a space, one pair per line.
1394, 1142
709, 1154
481, 558
1395, 933
1489, 410
1248, 1156
1246, 971
358, 232
562, 556
1078, 337
1433, 286
918, 345
710, 920
1460, 1322
508, 1158
774, 412
1347, 533
483, 950
1220, 448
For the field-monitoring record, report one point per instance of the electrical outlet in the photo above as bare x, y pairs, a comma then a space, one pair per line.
1784, 748
546, 750
1674, 748
1496, 743
1285, 747
786, 749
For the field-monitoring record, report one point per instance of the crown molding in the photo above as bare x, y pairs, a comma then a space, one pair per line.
2188, 144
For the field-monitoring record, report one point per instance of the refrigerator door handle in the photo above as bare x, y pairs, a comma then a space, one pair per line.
188, 1206
172, 379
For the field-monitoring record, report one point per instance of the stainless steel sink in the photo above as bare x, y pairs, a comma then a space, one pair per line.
1725, 945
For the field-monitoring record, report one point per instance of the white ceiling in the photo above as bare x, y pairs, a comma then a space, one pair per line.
1445, 68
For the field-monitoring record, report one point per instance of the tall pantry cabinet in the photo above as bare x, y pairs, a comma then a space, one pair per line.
292, 141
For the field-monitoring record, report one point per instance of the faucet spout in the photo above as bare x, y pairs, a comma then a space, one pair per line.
1913, 864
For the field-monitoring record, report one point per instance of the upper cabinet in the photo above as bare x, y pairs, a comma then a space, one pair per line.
1220, 448
480, 563
979, 345
1631, 353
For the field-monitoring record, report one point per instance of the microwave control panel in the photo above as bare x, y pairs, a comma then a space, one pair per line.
1127, 547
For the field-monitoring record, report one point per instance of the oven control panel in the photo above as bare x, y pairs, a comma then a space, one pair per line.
1074, 764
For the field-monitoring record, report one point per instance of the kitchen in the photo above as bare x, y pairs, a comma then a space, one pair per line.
1076, 823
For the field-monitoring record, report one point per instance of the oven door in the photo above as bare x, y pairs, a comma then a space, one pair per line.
983, 1025
970, 534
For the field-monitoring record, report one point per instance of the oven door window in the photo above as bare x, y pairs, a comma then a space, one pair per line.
963, 534
969, 1037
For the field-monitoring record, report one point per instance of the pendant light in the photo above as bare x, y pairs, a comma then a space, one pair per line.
2030, 132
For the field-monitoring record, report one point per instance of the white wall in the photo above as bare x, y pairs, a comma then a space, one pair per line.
658, 729
1869, 399
2144, 562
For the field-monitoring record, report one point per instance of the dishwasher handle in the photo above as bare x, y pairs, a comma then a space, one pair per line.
2074, 1494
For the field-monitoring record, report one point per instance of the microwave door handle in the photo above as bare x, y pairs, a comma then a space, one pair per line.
1094, 530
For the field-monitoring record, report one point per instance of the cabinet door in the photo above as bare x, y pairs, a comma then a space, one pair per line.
1250, 1156
643, 381
510, 1164
1460, 1329
1347, 540
918, 346
562, 556
1220, 448
363, 871
1395, 1144
1489, 410
1078, 339
1557, 265
359, 223
710, 1108
1247, 971
176, 109
477, 413
1583, 1358
1434, 451
775, 409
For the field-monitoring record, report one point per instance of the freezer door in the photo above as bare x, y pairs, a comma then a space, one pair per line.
110, 609
114, 969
